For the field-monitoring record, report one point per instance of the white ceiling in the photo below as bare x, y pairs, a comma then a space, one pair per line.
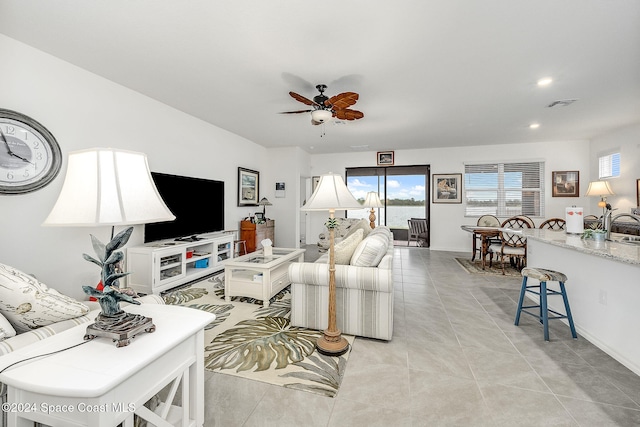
429, 73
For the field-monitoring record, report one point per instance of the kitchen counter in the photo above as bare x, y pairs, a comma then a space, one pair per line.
602, 286
628, 253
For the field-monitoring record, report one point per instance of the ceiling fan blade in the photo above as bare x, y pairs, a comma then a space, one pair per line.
348, 114
302, 99
342, 100
295, 112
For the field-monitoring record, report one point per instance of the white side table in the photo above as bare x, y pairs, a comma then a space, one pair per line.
99, 384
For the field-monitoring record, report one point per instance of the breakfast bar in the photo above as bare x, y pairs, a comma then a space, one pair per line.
603, 287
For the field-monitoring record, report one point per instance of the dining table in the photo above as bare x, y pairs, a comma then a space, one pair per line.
485, 233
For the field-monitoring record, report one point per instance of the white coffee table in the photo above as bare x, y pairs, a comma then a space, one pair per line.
99, 384
258, 276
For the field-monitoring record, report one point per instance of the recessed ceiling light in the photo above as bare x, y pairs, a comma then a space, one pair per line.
534, 125
546, 81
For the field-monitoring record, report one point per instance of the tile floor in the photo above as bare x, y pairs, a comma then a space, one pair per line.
456, 359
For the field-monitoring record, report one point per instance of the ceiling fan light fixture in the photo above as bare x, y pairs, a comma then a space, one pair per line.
321, 116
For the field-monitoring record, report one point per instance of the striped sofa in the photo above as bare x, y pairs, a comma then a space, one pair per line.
344, 224
364, 295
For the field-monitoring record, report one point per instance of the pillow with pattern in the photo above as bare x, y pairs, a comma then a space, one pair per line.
6, 330
363, 225
344, 250
29, 304
370, 251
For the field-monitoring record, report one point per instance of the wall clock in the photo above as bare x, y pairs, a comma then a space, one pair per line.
30, 156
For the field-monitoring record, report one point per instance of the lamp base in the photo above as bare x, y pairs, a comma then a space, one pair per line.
332, 344
120, 327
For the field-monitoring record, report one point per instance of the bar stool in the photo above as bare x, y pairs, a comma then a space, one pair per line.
544, 276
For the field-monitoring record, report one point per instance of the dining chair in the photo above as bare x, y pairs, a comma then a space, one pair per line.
418, 231
529, 220
484, 221
553, 224
592, 222
512, 245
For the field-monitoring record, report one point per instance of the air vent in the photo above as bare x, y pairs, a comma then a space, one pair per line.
562, 103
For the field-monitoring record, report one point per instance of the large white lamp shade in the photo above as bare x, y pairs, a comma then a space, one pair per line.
600, 189
331, 194
105, 186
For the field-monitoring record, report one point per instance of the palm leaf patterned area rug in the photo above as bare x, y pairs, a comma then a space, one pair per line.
257, 343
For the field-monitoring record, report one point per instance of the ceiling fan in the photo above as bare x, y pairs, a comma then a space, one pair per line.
324, 108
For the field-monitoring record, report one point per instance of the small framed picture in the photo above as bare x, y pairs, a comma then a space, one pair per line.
385, 158
565, 183
248, 187
447, 188
315, 180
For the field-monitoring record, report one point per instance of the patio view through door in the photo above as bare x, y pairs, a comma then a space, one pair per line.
403, 190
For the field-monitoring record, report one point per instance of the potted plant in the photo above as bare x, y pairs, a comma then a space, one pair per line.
597, 235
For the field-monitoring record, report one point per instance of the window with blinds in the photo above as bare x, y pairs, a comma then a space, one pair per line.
504, 189
609, 166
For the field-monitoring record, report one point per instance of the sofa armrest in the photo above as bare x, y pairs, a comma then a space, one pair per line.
21, 340
26, 338
347, 276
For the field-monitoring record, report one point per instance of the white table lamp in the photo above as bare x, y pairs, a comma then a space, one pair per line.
372, 201
105, 186
600, 189
331, 194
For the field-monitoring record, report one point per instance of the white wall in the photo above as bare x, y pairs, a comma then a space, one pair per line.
627, 141
446, 219
285, 165
83, 110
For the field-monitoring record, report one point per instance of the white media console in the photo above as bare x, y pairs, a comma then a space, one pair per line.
158, 266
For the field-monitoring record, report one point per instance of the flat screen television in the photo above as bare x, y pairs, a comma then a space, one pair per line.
197, 203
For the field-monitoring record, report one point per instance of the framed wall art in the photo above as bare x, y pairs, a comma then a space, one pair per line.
385, 158
248, 187
315, 180
565, 183
447, 188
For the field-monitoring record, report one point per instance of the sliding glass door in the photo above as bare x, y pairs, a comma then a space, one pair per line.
403, 191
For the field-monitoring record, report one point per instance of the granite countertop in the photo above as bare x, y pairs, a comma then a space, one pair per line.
621, 252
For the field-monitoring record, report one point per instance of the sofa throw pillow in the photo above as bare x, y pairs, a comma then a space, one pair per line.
363, 225
29, 304
370, 251
6, 330
344, 250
